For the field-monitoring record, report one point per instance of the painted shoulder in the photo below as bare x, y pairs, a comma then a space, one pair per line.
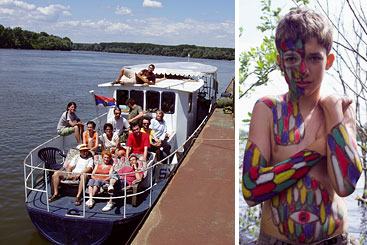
271, 101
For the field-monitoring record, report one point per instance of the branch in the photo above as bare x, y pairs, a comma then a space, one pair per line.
360, 24
259, 80
350, 49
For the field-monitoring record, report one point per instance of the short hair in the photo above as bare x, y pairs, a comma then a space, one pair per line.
146, 117
107, 153
304, 24
117, 109
106, 125
70, 104
93, 123
133, 124
152, 66
130, 101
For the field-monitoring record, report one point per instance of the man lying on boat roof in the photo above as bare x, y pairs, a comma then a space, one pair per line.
145, 76
80, 164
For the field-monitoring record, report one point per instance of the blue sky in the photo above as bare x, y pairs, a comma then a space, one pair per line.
172, 22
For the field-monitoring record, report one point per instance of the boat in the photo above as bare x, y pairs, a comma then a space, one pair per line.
186, 92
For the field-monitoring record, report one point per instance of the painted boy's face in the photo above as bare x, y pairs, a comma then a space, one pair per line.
304, 65
293, 64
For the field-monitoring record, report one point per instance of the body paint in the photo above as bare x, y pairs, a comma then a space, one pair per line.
260, 183
306, 212
288, 125
292, 62
344, 158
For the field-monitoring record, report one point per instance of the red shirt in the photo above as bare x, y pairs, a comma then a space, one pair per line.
138, 142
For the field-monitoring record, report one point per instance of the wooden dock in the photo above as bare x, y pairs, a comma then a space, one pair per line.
198, 205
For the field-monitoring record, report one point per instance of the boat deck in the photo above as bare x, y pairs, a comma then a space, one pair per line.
198, 205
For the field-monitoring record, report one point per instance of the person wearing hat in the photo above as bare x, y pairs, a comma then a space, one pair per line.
80, 164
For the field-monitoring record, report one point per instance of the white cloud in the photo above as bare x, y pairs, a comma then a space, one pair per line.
94, 26
13, 3
152, 4
162, 30
66, 13
19, 12
120, 10
7, 11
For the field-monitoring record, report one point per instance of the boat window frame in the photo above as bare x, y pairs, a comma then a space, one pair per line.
172, 102
138, 97
149, 96
120, 100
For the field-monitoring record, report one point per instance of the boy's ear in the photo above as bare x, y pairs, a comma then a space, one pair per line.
329, 61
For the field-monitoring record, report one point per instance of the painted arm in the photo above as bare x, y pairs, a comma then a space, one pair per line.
259, 182
344, 165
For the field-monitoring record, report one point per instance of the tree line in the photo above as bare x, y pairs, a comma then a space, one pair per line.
22, 39
160, 50
17, 38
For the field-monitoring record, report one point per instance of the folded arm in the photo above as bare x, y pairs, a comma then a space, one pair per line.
261, 182
344, 165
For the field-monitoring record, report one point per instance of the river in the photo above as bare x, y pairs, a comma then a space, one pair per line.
35, 89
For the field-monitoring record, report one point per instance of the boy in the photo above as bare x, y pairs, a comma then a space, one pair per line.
301, 157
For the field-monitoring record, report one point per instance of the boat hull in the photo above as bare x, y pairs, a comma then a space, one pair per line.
68, 230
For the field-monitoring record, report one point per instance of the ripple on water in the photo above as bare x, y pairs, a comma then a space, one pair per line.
35, 89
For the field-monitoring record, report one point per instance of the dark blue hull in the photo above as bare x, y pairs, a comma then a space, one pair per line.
68, 230
65, 224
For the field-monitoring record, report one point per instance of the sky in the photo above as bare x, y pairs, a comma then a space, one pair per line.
169, 22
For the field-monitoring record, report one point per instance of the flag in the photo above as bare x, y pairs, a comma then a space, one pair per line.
105, 101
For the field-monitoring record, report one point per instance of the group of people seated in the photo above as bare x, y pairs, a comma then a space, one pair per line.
117, 131
140, 133
104, 173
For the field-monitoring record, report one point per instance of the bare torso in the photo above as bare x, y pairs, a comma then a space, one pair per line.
309, 210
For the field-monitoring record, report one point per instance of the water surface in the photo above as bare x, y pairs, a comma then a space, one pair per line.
35, 89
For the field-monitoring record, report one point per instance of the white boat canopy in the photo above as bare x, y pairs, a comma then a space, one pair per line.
179, 69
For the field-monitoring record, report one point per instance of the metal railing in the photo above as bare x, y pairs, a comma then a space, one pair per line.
34, 167
32, 170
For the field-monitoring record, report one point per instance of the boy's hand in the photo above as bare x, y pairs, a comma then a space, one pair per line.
338, 108
335, 106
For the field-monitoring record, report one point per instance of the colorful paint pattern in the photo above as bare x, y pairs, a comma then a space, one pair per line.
306, 213
288, 125
344, 158
260, 183
293, 64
